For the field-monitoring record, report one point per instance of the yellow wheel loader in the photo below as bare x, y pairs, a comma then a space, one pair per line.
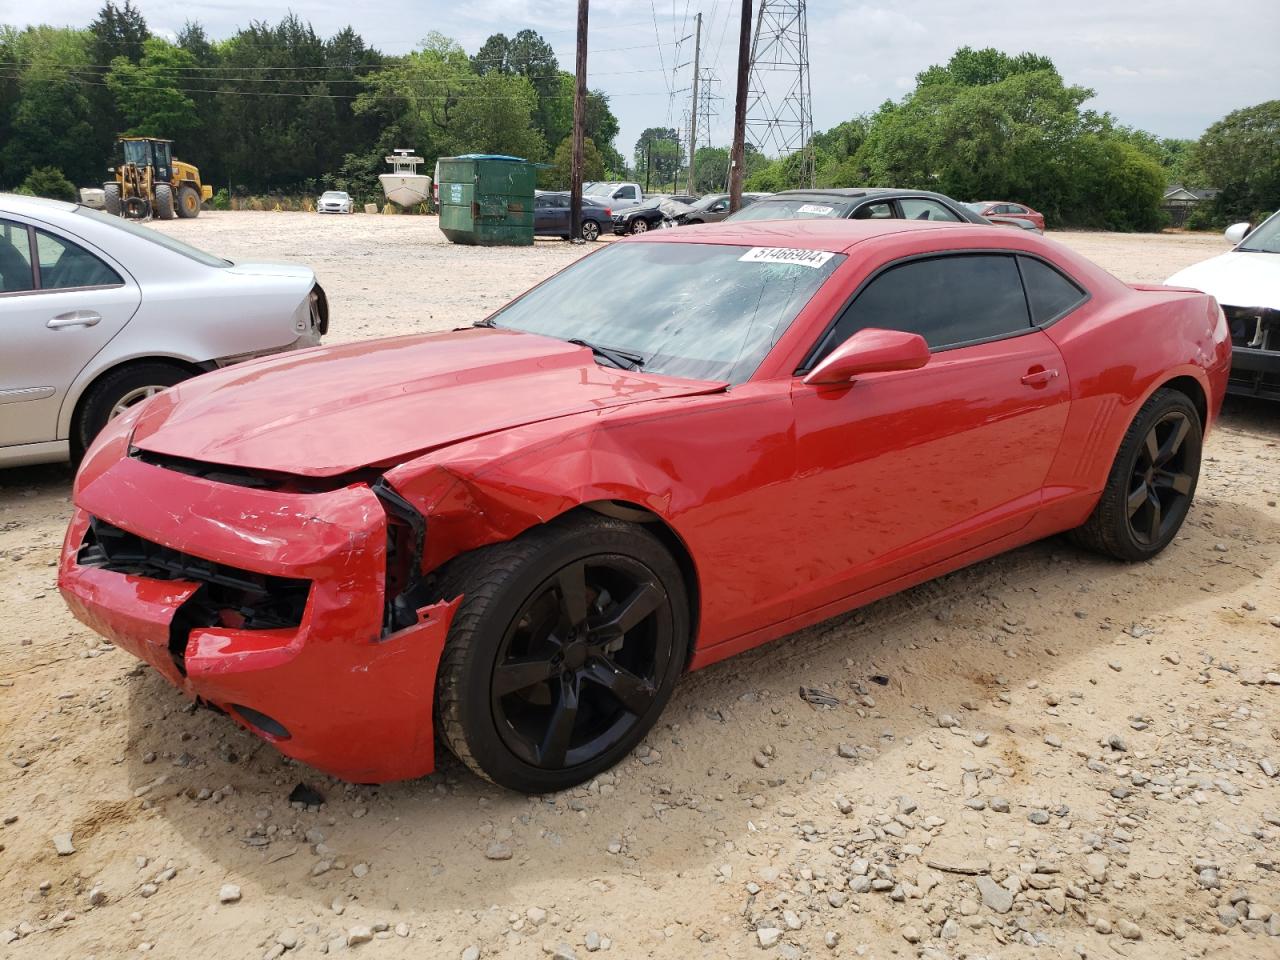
151, 183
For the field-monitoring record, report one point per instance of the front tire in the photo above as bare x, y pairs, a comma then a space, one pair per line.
111, 198
164, 201
564, 650
118, 391
1152, 481
188, 202
639, 225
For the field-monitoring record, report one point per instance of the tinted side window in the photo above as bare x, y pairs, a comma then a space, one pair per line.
15, 258
1049, 292
920, 208
63, 264
947, 300
626, 193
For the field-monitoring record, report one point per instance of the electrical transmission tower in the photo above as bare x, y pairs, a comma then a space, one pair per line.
709, 101
779, 99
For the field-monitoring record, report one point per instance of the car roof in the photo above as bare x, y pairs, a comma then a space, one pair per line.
854, 193
17, 203
834, 236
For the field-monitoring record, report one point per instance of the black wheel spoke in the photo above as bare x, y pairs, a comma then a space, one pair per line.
1153, 499
631, 612
1173, 443
1177, 482
516, 675
572, 584
1137, 499
1152, 446
629, 690
555, 743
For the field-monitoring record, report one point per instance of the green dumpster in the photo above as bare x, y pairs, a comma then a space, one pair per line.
487, 200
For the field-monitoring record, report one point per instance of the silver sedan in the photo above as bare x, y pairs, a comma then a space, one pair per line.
100, 313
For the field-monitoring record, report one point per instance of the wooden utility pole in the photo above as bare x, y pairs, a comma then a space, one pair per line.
737, 154
579, 123
693, 112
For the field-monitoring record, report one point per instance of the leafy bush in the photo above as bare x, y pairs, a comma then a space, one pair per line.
221, 200
48, 182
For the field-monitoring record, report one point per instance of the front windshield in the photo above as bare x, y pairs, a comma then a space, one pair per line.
697, 310
1265, 239
791, 208
334, 195
976, 207
156, 237
137, 152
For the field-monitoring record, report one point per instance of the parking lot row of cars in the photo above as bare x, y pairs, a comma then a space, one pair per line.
602, 214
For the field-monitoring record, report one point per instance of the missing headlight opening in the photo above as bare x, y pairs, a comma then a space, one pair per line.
406, 590
228, 597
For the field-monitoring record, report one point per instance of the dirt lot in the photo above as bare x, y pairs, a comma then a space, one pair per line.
1044, 751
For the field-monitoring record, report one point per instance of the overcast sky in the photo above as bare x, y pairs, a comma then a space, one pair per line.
1171, 67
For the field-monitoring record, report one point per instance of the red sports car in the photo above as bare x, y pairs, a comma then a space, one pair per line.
519, 535
1004, 211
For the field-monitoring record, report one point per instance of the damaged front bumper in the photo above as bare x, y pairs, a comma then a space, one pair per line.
1255, 352
268, 605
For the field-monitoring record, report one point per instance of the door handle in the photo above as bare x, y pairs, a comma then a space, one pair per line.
1038, 378
76, 318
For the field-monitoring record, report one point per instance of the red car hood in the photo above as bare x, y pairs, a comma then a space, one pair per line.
330, 410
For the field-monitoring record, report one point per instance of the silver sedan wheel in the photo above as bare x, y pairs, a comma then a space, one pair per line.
590, 230
131, 398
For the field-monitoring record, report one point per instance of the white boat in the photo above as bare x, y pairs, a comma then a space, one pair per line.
404, 185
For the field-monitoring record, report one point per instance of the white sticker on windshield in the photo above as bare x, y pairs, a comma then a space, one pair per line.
805, 258
815, 208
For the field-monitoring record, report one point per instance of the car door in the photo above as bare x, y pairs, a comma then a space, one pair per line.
542, 215
76, 301
904, 469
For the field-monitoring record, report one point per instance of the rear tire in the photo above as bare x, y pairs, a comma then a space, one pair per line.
565, 648
111, 198
1151, 484
119, 390
590, 230
164, 201
188, 202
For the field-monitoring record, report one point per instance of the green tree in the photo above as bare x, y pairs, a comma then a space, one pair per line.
48, 182
148, 96
560, 174
49, 117
711, 170
1240, 155
659, 156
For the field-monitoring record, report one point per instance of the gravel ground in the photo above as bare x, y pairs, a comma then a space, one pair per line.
1043, 751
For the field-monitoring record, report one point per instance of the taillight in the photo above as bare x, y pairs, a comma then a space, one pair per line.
608, 212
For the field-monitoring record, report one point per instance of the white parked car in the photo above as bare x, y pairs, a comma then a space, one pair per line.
334, 201
1246, 283
100, 313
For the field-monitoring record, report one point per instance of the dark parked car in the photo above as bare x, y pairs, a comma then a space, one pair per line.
714, 207
650, 213
858, 203
551, 216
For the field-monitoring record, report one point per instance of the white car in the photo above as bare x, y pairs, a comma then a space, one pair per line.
334, 201
100, 313
1246, 283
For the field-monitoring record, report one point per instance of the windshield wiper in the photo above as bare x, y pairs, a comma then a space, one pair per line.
622, 359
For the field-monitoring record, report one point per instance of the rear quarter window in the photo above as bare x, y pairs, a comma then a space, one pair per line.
1050, 294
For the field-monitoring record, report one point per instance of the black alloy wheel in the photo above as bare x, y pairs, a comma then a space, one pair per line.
566, 646
580, 665
1152, 481
1162, 479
